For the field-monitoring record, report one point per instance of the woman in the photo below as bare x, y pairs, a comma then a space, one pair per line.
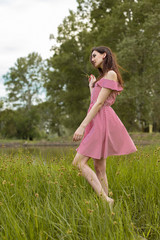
104, 133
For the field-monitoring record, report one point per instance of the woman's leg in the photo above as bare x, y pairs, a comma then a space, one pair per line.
81, 162
100, 168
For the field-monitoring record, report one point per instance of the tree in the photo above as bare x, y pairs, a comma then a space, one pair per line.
1, 103
66, 85
138, 53
50, 118
20, 124
7, 124
27, 123
24, 81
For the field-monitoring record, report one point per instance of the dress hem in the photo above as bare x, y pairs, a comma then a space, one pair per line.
114, 154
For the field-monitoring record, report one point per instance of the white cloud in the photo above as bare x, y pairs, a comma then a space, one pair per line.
25, 27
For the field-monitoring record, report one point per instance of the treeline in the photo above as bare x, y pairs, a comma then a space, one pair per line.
130, 28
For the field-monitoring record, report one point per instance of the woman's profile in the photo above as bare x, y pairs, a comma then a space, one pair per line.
102, 132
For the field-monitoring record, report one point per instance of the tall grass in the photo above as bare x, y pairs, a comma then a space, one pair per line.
50, 200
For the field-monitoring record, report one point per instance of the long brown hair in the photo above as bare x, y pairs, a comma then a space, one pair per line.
109, 63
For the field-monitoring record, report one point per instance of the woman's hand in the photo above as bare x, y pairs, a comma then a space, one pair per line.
92, 80
78, 133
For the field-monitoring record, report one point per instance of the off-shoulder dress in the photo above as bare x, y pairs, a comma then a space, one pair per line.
105, 135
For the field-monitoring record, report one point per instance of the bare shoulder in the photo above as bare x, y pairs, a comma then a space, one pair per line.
112, 75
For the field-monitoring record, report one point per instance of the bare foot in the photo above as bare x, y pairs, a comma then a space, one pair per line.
111, 203
109, 200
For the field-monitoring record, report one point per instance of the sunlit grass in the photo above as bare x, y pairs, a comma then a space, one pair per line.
51, 200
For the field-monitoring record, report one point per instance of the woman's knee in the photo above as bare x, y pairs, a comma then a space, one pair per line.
79, 161
100, 166
78, 164
75, 162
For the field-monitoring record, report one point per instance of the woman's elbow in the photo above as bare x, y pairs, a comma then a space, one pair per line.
99, 104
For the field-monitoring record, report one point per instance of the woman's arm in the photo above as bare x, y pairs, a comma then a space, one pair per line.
91, 80
90, 88
103, 95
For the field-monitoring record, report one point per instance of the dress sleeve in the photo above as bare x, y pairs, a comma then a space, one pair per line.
111, 84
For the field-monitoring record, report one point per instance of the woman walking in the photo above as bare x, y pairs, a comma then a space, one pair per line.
102, 132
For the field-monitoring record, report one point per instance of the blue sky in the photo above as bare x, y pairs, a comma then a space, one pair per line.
25, 27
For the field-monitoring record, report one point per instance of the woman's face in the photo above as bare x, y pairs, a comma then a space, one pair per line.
97, 59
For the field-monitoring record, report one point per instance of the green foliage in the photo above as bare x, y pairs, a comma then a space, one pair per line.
21, 123
27, 123
24, 81
130, 29
43, 197
50, 119
137, 52
1, 103
67, 86
7, 123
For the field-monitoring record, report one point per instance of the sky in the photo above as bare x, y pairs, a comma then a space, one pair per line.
25, 27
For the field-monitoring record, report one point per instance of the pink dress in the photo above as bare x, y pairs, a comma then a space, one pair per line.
105, 135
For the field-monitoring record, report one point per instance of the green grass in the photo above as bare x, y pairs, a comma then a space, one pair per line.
50, 200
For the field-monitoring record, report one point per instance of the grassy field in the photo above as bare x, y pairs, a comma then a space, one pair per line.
50, 200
